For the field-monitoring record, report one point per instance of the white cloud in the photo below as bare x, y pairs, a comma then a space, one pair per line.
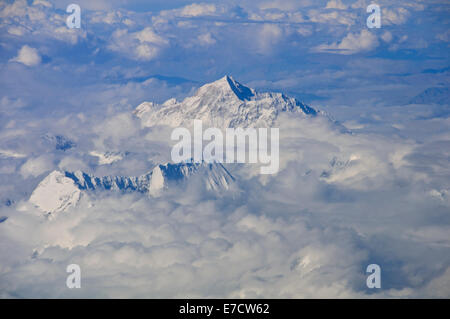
269, 35
141, 45
36, 166
336, 4
333, 17
19, 31
146, 52
288, 238
351, 44
387, 37
28, 56
148, 35
9, 153
15, 9
42, 3
110, 17
307, 232
198, 9
206, 39
394, 16
360, 4
39, 20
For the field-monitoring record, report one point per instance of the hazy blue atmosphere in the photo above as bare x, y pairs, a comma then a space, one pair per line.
364, 181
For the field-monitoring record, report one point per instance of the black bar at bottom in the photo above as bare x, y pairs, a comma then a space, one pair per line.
223, 308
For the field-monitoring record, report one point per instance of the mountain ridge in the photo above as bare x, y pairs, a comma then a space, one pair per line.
63, 189
222, 103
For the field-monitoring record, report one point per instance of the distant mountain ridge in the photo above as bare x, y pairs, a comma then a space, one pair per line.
61, 190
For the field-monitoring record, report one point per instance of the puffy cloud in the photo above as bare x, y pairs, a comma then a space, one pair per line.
144, 44
16, 31
39, 21
394, 16
28, 56
146, 52
352, 43
206, 39
209, 253
42, 3
109, 17
148, 35
360, 4
333, 17
14, 9
198, 9
336, 4
387, 37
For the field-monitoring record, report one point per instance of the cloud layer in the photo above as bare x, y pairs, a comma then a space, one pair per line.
368, 183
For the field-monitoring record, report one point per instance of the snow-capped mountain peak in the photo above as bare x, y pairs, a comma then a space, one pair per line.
55, 193
223, 103
227, 87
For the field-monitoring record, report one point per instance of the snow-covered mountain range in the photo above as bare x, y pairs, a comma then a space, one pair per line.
223, 103
61, 190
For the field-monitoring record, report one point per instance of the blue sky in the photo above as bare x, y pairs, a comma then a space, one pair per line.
377, 193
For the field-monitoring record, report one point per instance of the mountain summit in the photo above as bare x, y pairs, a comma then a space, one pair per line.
223, 103
227, 86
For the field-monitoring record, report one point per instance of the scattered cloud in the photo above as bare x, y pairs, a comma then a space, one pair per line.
352, 43
141, 45
38, 22
394, 16
387, 37
336, 4
198, 9
206, 39
28, 56
333, 17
